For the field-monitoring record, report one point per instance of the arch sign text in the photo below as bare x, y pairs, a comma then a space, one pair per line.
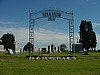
51, 15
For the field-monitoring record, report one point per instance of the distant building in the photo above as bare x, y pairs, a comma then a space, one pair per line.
77, 47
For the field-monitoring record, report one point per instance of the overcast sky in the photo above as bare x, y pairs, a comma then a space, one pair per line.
14, 18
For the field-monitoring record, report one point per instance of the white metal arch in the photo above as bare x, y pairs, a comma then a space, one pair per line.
51, 15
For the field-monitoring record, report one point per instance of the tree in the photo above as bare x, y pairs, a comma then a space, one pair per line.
63, 47
28, 47
8, 40
87, 36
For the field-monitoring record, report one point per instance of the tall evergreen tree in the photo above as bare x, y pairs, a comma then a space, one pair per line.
87, 36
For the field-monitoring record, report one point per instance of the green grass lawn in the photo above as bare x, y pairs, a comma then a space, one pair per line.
17, 64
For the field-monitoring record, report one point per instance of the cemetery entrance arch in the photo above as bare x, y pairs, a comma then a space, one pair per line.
51, 15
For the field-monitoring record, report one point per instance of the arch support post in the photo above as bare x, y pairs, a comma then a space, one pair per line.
31, 33
71, 34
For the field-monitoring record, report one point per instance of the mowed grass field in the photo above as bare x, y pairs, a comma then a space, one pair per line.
17, 64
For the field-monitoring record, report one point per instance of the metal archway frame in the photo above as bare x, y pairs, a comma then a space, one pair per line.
51, 15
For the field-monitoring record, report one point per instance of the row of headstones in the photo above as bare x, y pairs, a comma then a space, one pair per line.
51, 58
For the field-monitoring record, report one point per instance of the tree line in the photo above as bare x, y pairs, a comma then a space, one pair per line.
87, 39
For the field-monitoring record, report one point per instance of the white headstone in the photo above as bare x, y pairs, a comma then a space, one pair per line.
2, 48
10, 50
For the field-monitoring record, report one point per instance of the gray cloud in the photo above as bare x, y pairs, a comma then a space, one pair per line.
8, 22
95, 24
